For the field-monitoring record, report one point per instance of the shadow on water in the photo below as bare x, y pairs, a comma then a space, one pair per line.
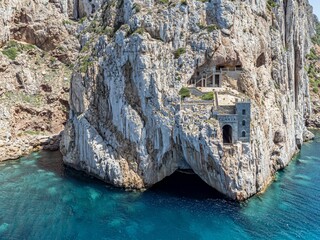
179, 184
183, 185
51, 161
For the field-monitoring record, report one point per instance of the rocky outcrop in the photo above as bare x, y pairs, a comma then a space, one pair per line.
313, 121
127, 125
38, 48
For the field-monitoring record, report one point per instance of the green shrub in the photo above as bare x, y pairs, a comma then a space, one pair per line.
184, 92
32, 132
201, 25
211, 28
85, 64
11, 53
109, 31
271, 4
139, 31
315, 90
165, 2
20, 47
66, 22
81, 20
12, 49
312, 55
137, 7
208, 96
179, 52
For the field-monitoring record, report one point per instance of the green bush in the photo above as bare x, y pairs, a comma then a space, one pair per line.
85, 64
184, 92
20, 47
67, 22
179, 52
81, 20
201, 25
315, 90
137, 7
312, 55
139, 31
165, 2
32, 132
208, 96
109, 31
271, 4
12, 49
211, 28
11, 53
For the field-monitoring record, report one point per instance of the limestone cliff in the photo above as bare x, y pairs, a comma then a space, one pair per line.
127, 124
313, 69
37, 49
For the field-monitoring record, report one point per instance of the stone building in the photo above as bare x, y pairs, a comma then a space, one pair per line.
213, 76
234, 121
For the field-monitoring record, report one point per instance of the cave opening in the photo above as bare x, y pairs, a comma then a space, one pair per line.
227, 134
186, 184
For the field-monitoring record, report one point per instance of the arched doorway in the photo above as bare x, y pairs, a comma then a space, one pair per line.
227, 134
243, 134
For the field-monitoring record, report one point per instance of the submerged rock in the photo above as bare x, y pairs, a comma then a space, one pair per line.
308, 136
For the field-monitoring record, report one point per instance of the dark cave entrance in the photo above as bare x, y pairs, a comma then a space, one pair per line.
186, 184
227, 134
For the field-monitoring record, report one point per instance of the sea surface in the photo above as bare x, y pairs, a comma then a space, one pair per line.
42, 199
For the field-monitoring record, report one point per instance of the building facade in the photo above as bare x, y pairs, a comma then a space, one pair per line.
236, 124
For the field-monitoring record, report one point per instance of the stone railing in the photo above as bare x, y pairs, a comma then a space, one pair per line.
202, 78
193, 103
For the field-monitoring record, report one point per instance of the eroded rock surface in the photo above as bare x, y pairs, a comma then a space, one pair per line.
127, 125
38, 47
313, 121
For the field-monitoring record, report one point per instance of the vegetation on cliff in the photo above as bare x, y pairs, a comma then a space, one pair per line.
314, 63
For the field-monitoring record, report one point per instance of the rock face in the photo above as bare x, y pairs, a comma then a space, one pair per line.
313, 121
37, 48
127, 125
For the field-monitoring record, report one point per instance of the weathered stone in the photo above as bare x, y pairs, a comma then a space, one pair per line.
127, 129
33, 101
278, 137
308, 136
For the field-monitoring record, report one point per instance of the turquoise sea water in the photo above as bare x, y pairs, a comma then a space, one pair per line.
41, 199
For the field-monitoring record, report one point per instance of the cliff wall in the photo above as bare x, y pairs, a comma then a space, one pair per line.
37, 51
126, 123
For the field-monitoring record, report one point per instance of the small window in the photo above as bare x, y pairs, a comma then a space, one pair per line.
243, 122
243, 112
243, 134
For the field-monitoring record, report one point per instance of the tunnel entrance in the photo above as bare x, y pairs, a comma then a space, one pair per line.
186, 184
227, 134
